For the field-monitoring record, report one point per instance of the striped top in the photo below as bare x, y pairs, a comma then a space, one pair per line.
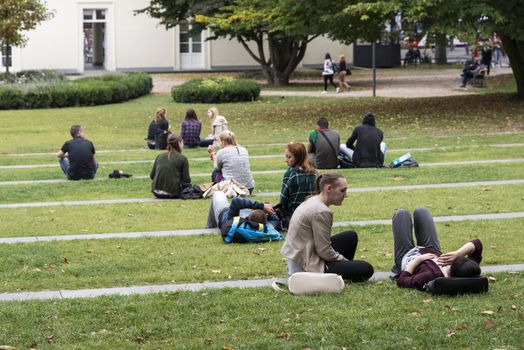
233, 161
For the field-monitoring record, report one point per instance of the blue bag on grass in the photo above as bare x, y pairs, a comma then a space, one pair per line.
252, 232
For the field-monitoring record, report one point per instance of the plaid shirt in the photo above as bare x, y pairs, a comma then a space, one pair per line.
191, 133
296, 186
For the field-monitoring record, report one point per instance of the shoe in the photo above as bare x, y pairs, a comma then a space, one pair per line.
338, 90
324, 92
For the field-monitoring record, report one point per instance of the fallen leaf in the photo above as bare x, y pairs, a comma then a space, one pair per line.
208, 341
514, 307
227, 348
140, 339
461, 328
492, 279
38, 270
216, 271
450, 334
285, 335
487, 312
489, 323
50, 338
7, 347
420, 328
414, 313
130, 215
65, 261
427, 301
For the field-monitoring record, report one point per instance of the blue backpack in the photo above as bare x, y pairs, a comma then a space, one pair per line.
251, 233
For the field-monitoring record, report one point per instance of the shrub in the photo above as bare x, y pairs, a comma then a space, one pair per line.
46, 90
216, 90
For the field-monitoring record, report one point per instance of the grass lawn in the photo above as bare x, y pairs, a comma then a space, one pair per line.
365, 316
368, 315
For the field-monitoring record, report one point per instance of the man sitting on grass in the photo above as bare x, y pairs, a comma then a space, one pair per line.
77, 156
225, 216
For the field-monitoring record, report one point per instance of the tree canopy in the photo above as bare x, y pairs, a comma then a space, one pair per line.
18, 17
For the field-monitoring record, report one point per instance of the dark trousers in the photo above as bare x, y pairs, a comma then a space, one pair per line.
425, 233
354, 270
328, 77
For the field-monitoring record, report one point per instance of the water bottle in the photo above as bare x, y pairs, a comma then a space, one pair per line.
396, 162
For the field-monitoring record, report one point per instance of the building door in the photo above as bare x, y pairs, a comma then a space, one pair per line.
191, 56
94, 39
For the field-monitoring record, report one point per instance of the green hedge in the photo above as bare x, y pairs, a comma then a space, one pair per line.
216, 90
91, 91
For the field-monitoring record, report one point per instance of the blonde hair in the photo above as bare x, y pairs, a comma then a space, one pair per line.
160, 113
214, 111
341, 57
228, 137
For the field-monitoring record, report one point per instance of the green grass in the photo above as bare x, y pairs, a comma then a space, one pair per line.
369, 315
172, 215
120, 262
261, 319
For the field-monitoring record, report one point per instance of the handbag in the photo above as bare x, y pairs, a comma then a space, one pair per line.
303, 283
190, 191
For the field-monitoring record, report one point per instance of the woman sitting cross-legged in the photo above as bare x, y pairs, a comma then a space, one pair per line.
298, 182
170, 170
231, 162
309, 245
417, 265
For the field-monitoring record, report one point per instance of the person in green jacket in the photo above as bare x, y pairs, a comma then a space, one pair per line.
170, 170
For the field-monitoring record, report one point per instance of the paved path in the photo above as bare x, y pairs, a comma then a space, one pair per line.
261, 172
35, 239
263, 194
193, 287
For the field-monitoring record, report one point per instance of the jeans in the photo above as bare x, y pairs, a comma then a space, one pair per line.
64, 164
349, 152
425, 233
221, 211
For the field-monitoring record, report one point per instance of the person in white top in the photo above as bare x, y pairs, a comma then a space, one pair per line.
328, 72
218, 124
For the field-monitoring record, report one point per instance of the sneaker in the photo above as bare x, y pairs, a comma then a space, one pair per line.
324, 92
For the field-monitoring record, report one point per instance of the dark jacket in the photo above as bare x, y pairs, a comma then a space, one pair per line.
367, 153
428, 270
168, 174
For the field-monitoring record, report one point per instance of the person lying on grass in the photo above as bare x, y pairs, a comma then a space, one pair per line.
258, 226
417, 265
309, 245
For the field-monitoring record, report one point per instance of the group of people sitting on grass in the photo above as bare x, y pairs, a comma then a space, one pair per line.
304, 206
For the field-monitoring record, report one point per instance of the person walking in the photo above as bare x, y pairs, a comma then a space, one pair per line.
328, 72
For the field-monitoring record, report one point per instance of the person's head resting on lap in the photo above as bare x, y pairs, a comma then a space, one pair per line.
332, 188
258, 216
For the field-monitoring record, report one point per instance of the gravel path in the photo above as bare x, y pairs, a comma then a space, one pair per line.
411, 84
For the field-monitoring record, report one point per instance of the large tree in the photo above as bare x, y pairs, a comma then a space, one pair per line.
279, 29
17, 17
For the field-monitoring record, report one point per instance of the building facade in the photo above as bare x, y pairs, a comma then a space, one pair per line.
85, 35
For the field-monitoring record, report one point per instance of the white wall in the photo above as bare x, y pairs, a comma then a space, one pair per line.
53, 44
318, 47
140, 41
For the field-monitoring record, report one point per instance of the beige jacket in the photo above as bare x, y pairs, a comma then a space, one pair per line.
308, 241
219, 125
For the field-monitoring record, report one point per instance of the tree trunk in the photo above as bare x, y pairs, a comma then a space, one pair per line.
440, 49
515, 51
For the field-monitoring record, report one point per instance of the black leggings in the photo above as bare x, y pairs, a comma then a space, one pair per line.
354, 270
330, 78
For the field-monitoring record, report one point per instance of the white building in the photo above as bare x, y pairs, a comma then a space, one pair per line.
106, 34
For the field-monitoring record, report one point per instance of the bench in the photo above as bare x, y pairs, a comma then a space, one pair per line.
479, 80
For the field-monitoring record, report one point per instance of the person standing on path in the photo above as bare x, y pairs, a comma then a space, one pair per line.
342, 72
77, 156
328, 72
